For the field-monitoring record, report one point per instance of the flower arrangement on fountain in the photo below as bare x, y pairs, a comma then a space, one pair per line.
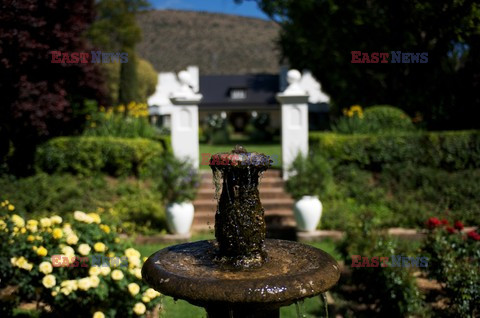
51, 262
454, 255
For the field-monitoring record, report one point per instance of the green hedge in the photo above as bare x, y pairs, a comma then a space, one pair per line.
93, 155
453, 150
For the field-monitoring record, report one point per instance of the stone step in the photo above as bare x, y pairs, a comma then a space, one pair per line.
268, 204
281, 217
265, 193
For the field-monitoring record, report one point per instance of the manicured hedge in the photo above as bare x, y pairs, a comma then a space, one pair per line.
452, 150
93, 155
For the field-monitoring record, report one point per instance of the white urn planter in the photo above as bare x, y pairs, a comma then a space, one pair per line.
307, 211
179, 217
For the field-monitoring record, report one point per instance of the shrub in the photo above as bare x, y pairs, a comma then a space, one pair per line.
453, 150
93, 155
80, 288
453, 261
259, 129
309, 176
217, 131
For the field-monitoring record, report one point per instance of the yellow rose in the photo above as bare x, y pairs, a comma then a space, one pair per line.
57, 233
56, 219
42, 251
54, 293
23, 230
30, 238
84, 249
99, 247
94, 271
94, 281
133, 262
131, 252
137, 272
45, 222
139, 309
79, 216
145, 299
117, 274
95, 217
98, 314
72, 239
133, 288
45, 267
3, 225
49, 281
84, 283
151, 293
32, 225
11, 207
105, 270
105, 228
68, 251
18, 220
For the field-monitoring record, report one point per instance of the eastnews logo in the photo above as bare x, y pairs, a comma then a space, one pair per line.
97, 260
396, 261
395, 57
92, 57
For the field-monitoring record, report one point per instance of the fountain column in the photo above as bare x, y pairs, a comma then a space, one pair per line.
294, 120
185, 121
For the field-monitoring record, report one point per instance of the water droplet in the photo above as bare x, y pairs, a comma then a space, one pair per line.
323, 299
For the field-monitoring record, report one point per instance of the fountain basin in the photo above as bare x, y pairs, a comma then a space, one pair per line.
192, 271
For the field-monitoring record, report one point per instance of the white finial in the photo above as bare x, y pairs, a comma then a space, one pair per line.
184, 77
185, 91
293, 78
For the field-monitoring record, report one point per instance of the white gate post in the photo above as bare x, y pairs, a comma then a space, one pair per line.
294, 120
184, 127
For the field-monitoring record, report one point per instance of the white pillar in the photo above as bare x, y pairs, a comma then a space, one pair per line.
294, 120
184, 121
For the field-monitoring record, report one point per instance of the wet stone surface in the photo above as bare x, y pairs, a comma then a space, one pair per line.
192, 271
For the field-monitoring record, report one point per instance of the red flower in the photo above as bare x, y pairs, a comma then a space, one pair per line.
458, 225
444, 222
433, 222
474, 235
450, 230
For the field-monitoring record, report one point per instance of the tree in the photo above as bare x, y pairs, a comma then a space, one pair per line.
116, 29
41, 99
320, 35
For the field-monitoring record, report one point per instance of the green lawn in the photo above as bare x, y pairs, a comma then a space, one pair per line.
271, 149
312, 307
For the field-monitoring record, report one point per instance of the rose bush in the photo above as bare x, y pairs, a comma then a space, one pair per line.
67, 283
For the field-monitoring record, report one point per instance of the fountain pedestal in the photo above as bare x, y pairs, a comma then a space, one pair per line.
241, 274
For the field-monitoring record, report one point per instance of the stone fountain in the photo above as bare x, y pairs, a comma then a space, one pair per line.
241, 273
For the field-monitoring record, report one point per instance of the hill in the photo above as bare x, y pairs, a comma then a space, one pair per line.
217, 43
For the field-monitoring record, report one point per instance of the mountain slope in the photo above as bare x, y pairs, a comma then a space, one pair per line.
217, 43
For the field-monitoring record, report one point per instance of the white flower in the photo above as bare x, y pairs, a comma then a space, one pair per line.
133, 288
117, 274
84, 283
139, 309
49, 281
84, 249
45, 267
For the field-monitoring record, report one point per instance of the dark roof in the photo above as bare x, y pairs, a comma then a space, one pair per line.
260, 90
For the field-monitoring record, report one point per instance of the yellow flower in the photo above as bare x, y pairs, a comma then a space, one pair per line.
84, 283
94, 281
3, 225
94, 271
42, 251
32, 225
11, 207
98, 314
68, 251
105, 228
146, 299
45, 222
30, 238
57, 233
49, 281
133, 288
18, 220
95, 217
45, 267
139, 309
56, 219
137, 272
131, 252
117, 240
117, 274
84, 249
105, 270
54, 293
23, 230
151, 293
79, 216
99, 247
72, 239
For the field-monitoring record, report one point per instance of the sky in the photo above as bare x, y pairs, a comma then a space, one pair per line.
247, 8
